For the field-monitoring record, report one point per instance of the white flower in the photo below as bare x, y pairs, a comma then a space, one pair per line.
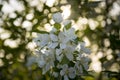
69, 51
53, 37
66, 77
57, 17
62, 40
55, 74
60, 45
68, 72
54, 41
84, 60
40, 61
52, 45
70, 34
46, 60
42, 40
72, 72
79, 69
84, 49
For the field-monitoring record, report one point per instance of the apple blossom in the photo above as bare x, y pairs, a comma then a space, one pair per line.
68, 72
59, 51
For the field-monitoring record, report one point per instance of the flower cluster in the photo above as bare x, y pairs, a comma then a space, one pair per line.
60, 52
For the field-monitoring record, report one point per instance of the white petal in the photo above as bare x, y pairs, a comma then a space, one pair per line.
86, 66
86, 50
80, 69
43, 43
65, 66
55, 74
69, 56
66, 77
53, 45
59, 56
45, 69
58, 51
72, 73
43, 39
70, 33
57, 17
62, 38
62, 72
53, 37
62, 46
41, 63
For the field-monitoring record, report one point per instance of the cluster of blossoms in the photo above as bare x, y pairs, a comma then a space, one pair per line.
60, 52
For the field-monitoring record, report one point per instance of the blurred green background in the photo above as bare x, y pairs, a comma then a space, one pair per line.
98, 22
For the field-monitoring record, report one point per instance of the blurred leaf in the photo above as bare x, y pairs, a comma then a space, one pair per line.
89, 78
93, 3
65, 60
42, 32
57, 26
1, 7
68, 26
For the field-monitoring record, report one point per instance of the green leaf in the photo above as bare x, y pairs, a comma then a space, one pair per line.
42, 32
68, 26
1, 7
57, 26
65, 60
